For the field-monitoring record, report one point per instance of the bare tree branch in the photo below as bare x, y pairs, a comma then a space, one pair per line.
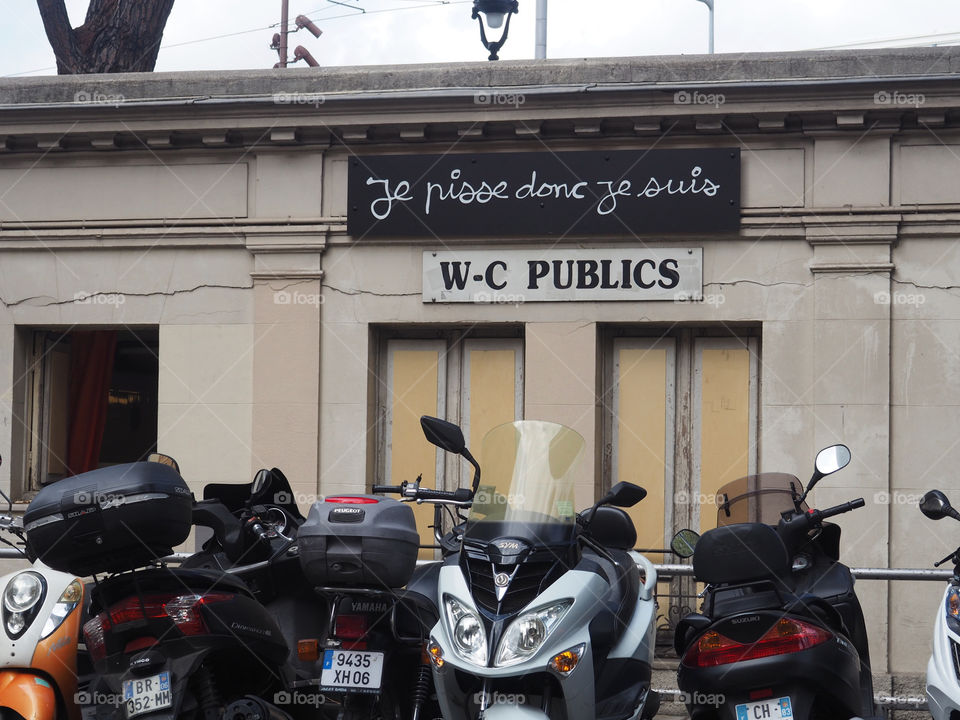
56, 24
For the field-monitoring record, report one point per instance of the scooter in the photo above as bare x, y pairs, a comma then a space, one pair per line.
781, 634
41, 617
544, 613
164, 642
943, 687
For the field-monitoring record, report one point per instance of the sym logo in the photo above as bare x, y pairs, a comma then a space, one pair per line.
508, 547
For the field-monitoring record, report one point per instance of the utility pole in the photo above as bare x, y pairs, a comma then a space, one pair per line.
284, 22
540, 51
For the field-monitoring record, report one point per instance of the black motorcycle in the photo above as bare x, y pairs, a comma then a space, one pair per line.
348, 596
781, 634
168, 642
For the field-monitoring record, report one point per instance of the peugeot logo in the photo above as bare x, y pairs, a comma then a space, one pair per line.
501, 580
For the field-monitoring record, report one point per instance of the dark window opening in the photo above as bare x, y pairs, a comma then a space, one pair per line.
91, 401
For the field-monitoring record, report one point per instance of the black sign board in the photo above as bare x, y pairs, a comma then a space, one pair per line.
545, 193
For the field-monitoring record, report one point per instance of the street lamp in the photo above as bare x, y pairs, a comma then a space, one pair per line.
709, 4
495, 11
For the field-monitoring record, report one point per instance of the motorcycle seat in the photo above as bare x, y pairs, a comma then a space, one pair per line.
199, 580
613, 528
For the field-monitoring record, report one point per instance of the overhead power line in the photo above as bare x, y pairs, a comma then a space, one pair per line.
916, 40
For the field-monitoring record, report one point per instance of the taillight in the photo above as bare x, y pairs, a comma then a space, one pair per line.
786, 636
183, 610
351, 500
350, 627
94, 635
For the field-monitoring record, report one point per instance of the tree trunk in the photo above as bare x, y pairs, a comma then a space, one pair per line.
117, 35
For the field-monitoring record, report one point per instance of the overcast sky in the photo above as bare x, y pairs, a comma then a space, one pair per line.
412, 31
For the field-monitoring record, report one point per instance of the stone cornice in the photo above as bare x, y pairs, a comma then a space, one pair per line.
259, 238
817, 226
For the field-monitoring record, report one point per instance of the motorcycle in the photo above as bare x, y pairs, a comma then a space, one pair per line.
41, 616
166, 642
349, 598
781, 634
544, 613
943, 687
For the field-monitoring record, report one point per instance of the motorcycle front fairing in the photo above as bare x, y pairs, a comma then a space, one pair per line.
632, 650
37, 670
943, 688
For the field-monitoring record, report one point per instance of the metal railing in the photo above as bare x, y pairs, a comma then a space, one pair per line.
668, 570
859, 573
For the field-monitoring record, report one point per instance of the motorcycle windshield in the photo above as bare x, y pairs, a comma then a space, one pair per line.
757, 499
527, 490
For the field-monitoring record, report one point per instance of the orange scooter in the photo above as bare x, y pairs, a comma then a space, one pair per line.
40, 614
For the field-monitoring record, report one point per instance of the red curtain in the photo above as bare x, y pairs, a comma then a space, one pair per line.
91, 366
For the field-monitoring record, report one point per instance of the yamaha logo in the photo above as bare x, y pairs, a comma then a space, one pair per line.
501, 580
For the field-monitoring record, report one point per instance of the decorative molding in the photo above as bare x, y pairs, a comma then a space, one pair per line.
851, 268
287, 275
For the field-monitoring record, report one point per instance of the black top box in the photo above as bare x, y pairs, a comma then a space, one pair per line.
359, 540
109, 520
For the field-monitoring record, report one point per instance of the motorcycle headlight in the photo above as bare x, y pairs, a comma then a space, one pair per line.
526, 635
22, 599
69, 599
952, 604
467, 630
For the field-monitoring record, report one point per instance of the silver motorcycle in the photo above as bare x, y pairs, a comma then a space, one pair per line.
544, 612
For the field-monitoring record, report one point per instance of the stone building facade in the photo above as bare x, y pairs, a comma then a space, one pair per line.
265, 315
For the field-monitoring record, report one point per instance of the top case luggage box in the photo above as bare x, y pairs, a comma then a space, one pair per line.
109, 520
359, 540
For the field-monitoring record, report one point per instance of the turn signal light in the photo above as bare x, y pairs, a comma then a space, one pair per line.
436, 653
308, 650
567, 661
953, 603
786, 636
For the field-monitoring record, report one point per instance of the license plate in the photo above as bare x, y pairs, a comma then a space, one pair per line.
772, 709
351, 670
147, 694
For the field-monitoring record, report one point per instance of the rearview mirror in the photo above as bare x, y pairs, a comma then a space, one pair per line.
936, 506
625, 494
684, 543
445, 435
831, 459
164, 460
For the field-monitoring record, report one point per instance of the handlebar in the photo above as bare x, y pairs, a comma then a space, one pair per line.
253, 524
413, 491
839, 509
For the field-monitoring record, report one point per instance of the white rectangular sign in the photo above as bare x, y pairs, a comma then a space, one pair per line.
551, 275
